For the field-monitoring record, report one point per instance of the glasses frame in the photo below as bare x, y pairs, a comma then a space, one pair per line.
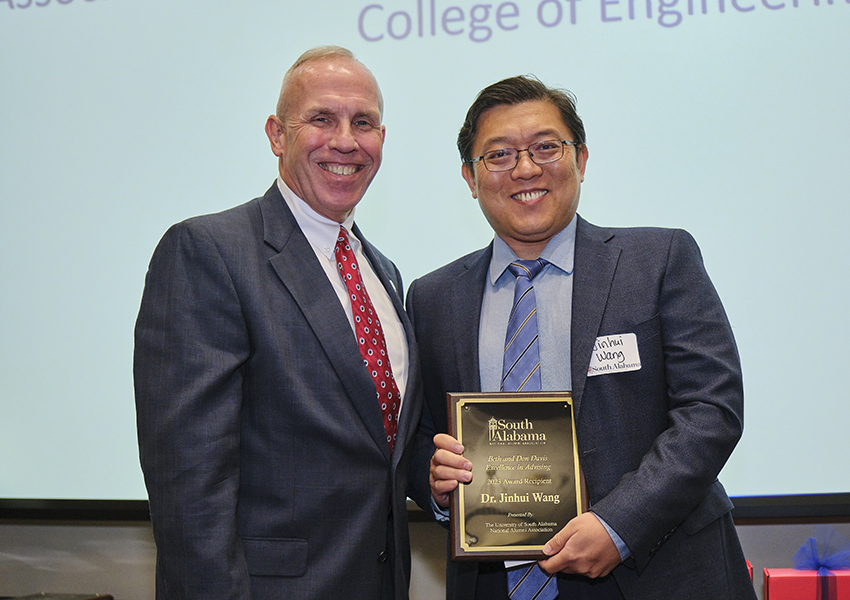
530, 155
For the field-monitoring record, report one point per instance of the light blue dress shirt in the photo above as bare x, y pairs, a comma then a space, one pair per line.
553, 291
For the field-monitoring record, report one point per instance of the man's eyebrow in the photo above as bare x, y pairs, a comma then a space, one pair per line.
323, 110
319, 110
502, 139
375, 115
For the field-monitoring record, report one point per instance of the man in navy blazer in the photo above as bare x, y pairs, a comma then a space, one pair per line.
654, 431
264, 448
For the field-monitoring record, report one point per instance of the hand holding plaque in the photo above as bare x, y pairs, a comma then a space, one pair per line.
526, 485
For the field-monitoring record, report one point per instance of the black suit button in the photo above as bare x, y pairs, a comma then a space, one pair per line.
383, 556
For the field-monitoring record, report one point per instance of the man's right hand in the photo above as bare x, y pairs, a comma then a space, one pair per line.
448, 468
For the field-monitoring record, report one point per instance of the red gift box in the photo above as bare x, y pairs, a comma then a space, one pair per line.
750, 569
793, 584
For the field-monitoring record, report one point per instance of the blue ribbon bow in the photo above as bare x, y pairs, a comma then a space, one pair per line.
807, 558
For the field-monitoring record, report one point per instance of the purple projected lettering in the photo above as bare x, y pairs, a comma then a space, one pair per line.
375, 22
24, 4
550, 13
481, 22
36, 3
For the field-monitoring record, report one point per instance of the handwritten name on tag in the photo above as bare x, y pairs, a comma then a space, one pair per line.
614, 354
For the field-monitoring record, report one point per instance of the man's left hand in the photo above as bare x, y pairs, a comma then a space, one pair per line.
582, 547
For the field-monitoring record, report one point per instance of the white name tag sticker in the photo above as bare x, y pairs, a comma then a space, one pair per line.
614, 354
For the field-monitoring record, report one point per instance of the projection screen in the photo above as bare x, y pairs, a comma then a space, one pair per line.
727, 118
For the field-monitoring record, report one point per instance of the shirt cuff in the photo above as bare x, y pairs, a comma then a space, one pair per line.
618, 541
440, 513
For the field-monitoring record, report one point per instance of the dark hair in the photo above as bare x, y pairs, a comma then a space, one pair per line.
515, 90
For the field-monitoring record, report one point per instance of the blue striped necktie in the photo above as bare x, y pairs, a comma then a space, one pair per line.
521, 367
521, 372
531, 583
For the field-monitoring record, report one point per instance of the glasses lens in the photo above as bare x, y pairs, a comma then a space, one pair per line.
546, 152
503, 159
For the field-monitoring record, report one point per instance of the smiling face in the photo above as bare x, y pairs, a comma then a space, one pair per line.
329, 137
529, 204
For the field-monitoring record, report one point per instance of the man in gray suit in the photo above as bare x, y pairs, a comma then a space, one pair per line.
655, 424
276, 463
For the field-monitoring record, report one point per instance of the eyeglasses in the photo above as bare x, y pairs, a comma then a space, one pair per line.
505, 159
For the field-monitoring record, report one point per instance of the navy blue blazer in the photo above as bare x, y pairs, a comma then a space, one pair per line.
261, 441
651, 441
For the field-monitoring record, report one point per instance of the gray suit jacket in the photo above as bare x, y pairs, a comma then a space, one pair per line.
651, 441
261, 440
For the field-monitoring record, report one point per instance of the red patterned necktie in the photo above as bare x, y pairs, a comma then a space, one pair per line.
370, 335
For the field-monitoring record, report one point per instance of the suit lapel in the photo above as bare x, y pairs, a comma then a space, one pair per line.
466, 294
299, 270
595, 264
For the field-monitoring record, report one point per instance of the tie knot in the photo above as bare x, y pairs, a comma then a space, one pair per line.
527, 268
342, 237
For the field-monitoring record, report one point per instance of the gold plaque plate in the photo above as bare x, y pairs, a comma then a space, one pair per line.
526, 481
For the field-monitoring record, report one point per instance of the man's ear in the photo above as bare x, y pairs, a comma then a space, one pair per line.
468, 174
581, 160
274, 131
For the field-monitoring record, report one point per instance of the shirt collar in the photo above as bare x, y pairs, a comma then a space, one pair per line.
559, 251
320, 231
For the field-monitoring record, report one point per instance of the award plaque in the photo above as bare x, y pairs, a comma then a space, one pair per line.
526, 482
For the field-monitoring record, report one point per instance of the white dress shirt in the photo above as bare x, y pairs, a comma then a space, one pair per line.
322, 234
